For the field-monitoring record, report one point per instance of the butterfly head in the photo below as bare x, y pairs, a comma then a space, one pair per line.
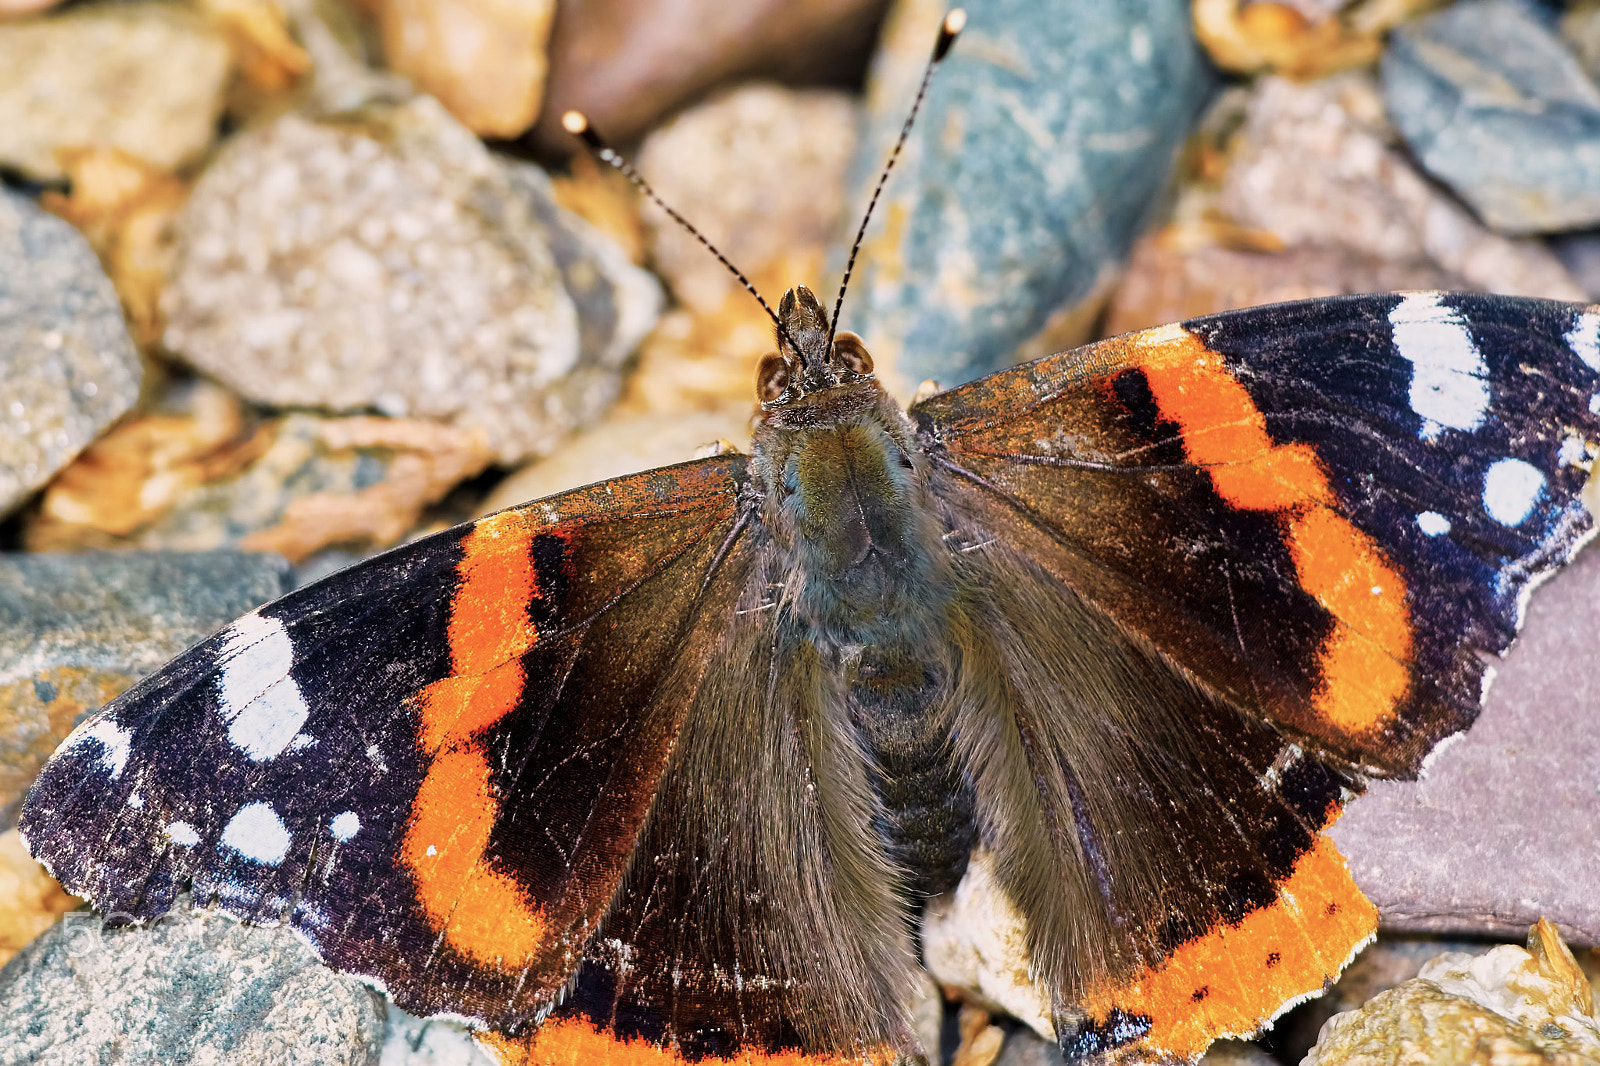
806, 361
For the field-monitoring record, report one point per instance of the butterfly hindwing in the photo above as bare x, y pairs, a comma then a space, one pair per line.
433, 764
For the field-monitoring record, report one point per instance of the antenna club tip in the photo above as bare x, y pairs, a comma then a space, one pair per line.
575, 123
955, 21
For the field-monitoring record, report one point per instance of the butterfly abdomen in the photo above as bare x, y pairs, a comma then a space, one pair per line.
901, 708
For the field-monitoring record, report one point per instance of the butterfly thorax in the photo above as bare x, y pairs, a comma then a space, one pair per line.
868, 586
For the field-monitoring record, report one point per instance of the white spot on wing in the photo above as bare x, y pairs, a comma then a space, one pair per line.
256, 832
1573, 452
136, 801
259, 699
182, 833
1447, 375
1594, 404
345, 825
1510, 489
1433, 523
1584, 339
113, 741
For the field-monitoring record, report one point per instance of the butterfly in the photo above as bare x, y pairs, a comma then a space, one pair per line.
667, 767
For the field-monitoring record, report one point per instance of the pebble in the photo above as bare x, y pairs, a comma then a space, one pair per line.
1493, 104
1166, 284
149, 78
621, 446
1318, 165
1516, 798
1507, 1005
627, 64
1044, 138
295, 486
390, 262
483, 59
769, 199
68, 368
193, 988
413, 1041
75, 630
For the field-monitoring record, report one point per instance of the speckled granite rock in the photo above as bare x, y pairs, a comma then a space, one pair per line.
193, 988
75, 630
1317, 165
68, 368
1502, 828
390, 262
1493, 103
147, 77
1044, 138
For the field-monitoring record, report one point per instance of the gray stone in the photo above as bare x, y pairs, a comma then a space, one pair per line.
388, 261
194, 987
149, 78
1494, 105
1045, 137
1502, 828
68, 368
75, 630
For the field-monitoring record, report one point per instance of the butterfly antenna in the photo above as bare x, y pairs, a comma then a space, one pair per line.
953, 24
577, 124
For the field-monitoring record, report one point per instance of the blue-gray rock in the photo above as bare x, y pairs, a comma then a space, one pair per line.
194, 987
1046, 135
68, 368
1493, 104
75, 630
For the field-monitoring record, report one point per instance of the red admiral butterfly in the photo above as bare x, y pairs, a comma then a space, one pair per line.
663, 769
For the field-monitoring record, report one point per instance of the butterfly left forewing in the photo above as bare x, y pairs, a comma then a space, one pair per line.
434, 764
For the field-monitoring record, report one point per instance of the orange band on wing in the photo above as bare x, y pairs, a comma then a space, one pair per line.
481, 912
576, 1042
1237, 978
1363, 662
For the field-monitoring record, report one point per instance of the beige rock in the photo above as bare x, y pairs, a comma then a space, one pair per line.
205, 479
621, 445
1506, 1007
1167, 282
1316, 165
391, 261
17, 8
483, 59
761, 172
973, 938
149, 78
769, 200
30, 899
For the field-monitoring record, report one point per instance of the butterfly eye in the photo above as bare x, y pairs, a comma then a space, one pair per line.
772, 377
852, 352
